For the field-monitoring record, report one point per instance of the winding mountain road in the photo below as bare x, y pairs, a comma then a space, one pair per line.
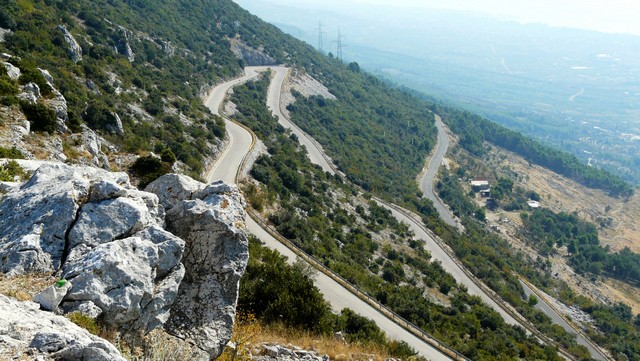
316, 153
431, 170
337, 295
240, 141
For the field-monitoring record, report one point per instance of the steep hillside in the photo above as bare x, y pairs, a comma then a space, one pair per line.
104, 82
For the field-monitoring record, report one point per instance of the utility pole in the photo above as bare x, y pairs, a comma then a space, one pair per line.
339, 46
320, 32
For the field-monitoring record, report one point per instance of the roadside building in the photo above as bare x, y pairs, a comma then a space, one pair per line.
480, 184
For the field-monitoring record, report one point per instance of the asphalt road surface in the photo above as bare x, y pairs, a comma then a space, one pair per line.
428, 177
316, 154
338, 296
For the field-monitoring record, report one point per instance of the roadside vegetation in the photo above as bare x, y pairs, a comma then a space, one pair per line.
493, 260
320, 214
378, 136
474, 130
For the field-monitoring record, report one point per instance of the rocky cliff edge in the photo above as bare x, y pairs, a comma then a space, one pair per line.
171, 256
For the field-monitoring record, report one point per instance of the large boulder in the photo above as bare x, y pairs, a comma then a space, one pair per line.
126, 259
28, 333
100, 233
211, 221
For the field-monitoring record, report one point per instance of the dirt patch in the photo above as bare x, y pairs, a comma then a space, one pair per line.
303, 84
617, 219
561, 194
24, 287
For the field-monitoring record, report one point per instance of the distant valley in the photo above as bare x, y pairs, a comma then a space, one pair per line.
576, 90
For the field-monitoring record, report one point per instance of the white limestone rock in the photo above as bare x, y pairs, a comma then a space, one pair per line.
30, 93
50, 298
106, 237
128, 280
211, 222
109, 240
73, 48
173, 188
117, 127
31, 333
58, 103
92, 143
12, 71
87, 308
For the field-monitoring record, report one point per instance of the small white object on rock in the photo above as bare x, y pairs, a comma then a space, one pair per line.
50, 298
30, 333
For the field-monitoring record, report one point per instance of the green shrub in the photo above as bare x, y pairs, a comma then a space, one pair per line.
167, 156
85, 322
30, 75
42, 118
98, 116
12, 170
148, 169
6, 20
11, 153
7, 86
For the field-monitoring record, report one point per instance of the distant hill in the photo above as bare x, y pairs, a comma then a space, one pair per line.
575, 90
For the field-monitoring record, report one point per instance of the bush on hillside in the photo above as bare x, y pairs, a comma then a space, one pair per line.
148, 169
42, 118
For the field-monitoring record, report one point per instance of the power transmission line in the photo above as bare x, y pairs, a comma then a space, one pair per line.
339, 45
320, 32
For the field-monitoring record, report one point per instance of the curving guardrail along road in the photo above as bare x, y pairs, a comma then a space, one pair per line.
241, 141
339, 295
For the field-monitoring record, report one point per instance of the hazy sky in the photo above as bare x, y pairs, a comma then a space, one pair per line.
619, 16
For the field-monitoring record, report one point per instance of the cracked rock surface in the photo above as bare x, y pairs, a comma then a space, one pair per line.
28, 333
170, 256
210, 219
100, 233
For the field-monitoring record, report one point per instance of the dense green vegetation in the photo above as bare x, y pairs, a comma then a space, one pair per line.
11, 153
548, 230
279, 293
377, 136
493, 260
474, 130
173, 64
334, 235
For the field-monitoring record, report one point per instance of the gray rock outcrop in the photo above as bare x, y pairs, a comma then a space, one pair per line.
117, 124
27, 332
251, 56
269, 352
103, 235
92, 143
125, 258
210, 219
30, 93
12, 71
3, 33
73, 48
58, 103
123, 46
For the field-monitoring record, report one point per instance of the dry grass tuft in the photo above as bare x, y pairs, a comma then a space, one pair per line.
249, 335
24, 287
157, 345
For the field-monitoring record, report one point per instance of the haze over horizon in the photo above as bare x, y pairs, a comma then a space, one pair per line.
613, 16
